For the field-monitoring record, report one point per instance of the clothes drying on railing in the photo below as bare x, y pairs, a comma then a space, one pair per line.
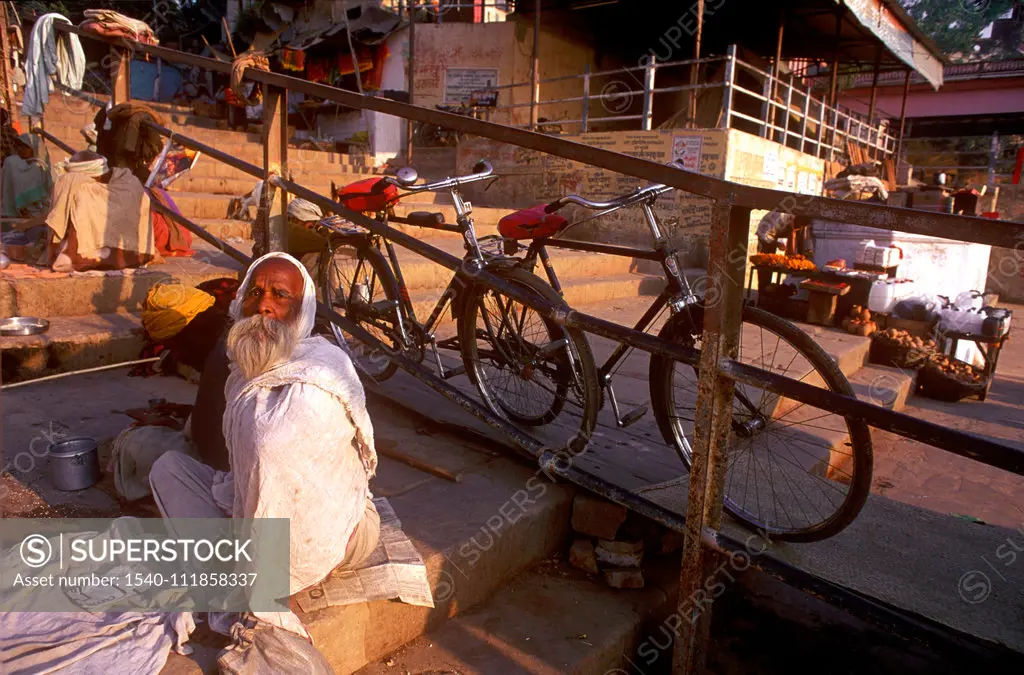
111, 24
50, 55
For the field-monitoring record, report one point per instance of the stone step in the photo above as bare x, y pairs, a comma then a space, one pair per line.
470, 551
26, 291
72, 343
204, 205
593, 631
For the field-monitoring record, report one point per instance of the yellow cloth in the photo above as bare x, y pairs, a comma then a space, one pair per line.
170, 307
105, 215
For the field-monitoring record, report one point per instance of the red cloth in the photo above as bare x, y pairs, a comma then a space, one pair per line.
171, 238
372, 79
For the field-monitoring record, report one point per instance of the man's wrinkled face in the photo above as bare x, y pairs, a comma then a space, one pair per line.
266, 335
275, 291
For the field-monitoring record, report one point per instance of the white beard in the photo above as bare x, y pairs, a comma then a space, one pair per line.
258, 343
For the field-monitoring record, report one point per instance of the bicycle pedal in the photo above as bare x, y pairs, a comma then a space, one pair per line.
633, 416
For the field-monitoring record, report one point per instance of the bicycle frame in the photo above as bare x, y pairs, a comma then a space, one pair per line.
405, 312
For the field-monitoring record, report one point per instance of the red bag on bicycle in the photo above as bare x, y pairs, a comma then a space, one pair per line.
361, 196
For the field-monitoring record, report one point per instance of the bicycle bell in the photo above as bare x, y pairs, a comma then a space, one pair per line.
406, 175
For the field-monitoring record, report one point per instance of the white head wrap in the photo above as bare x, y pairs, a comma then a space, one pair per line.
304, 210
91, 167
307, 313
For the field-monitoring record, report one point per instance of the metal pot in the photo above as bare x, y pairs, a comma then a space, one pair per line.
74, 464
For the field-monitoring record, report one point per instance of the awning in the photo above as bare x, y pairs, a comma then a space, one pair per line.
890, 24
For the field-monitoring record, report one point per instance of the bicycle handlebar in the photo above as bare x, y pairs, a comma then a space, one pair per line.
651, 190
481, 171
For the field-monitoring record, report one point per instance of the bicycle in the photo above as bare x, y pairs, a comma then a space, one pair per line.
361, 278
773, 418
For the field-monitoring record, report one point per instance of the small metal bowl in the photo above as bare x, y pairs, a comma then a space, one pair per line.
23, 325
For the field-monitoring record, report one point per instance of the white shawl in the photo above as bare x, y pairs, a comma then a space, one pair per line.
300, 442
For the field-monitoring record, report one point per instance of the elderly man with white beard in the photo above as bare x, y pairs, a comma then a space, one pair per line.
299, 438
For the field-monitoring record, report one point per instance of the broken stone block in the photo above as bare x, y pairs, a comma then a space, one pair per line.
628, 577
581, 556
596, 517
620, 553
671, 541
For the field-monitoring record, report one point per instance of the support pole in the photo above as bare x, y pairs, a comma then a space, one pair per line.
272, 234
776, 71
730, 79
833, 85
585, 113
903, 117
648, 108
993, 158
120, 75
412, 80
535, 68
874, 97
730, 226
695, 67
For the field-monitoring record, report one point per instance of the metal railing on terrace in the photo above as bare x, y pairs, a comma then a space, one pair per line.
781, 109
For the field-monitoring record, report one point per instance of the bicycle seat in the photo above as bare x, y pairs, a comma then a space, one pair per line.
425, 218
367, 196
531, 223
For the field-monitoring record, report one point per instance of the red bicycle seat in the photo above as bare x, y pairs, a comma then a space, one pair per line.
530, 223
361, 196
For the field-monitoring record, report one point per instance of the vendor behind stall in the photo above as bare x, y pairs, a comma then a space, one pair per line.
99, 217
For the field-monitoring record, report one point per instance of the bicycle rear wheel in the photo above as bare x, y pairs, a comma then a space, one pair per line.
357, 282
527, 368
794, 471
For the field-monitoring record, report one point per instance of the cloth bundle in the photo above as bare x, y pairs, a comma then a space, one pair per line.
50, 55
90, 167
111, 24
293, 59
255, 60
170, 307
106, 216
304, 210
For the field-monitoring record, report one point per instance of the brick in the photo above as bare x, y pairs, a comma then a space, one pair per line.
596, 517
629, 577
620, 553
581, 556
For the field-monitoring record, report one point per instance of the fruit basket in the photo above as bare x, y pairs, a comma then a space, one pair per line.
899, 349
950, 380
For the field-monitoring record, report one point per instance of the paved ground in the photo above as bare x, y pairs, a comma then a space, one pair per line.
918, 474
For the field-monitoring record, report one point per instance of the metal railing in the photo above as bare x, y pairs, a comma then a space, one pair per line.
799, 120
719, 369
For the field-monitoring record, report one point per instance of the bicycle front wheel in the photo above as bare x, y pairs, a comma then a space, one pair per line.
794, 471
527, 368
357, 282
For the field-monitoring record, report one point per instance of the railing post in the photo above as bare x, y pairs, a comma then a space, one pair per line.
649, 92
803, 122
120, 75
821, 128
272, 234
730, 226
767, 105
993, 156
785, 115
585, 117
730, 78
